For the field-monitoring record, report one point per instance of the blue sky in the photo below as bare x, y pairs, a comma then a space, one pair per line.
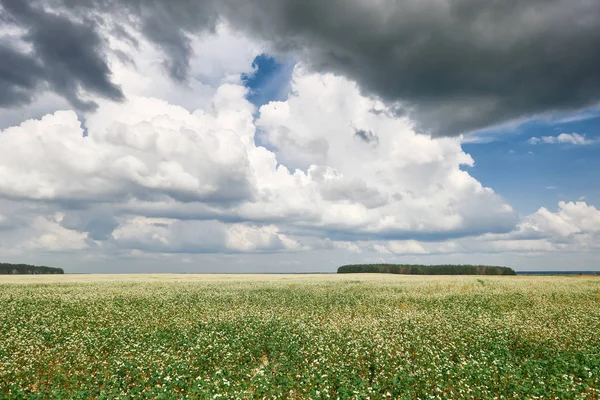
269, 80
530, 176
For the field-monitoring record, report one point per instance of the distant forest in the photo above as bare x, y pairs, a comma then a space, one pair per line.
426, 269
25, 269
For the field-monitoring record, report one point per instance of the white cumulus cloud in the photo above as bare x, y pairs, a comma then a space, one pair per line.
330, 164
563, 138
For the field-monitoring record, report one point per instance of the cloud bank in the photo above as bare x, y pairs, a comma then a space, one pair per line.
145, 160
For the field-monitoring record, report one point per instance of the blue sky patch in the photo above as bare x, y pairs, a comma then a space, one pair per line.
530, 176
270, 80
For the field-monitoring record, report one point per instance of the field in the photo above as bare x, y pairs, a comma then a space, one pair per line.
299, 336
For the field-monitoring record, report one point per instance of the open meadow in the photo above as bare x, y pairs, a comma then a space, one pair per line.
299, 336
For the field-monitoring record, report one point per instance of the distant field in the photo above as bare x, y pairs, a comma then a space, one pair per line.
299, 336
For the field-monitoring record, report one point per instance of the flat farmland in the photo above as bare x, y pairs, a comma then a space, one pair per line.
299, 336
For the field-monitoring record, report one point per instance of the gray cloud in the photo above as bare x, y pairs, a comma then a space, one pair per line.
168, 24
20, 75
454, 66
98, 225
66, 54
366, 136
460, 66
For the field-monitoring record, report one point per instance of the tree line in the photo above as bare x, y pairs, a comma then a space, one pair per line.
426, 269
20, 269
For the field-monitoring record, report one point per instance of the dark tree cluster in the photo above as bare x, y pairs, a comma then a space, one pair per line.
25, 269
426, 269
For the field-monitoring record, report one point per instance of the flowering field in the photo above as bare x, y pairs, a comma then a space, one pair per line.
329, 336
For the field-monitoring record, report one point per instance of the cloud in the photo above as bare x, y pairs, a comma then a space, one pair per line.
571, 218
98, 225
409, 184
218, 58
5, 223
400, 247
20, 76
66, 55
563, 138
147, 160
168, 24
51, 236
141, 149
171, 236
453, 67
574, 227
68, 45
567, 138
366, 136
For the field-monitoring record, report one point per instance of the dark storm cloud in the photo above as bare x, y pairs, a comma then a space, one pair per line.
20, 75
453, 66
66, 55
458, 65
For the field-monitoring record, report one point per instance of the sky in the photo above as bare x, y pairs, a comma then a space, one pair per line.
230, 136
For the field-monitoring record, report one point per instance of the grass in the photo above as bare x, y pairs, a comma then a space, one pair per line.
299, 336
